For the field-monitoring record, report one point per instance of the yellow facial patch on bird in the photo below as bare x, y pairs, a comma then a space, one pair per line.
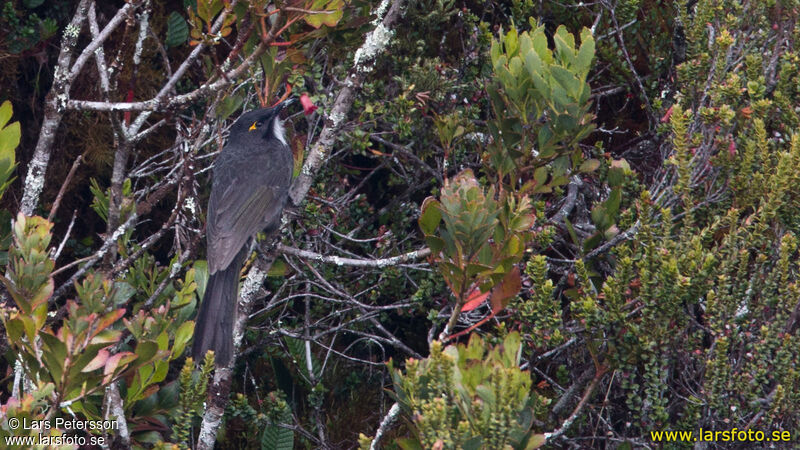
252, 127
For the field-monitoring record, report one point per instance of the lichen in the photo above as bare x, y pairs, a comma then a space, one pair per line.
71, 32
336, 119
374, 44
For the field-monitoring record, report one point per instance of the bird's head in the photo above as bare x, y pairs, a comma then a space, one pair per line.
264, 123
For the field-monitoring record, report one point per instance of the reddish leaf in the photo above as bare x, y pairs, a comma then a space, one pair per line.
112, 363
108, 320
667, 115
98, 361
506, 290
474, 299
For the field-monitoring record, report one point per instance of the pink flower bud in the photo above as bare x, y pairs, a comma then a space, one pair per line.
308, 106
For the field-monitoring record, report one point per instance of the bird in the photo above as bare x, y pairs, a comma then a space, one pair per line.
250, 187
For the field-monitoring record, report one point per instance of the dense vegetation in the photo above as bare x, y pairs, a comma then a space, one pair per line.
513, 223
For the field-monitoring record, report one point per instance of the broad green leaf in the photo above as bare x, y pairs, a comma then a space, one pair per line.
567, 80
431, 216
146, 350
583, 60
177, 30
332, 15
408, 444
182, 336
612, 203
590, 165
6, 110
511, 42
540, 45
535, 441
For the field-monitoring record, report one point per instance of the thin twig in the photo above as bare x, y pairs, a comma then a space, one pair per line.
576, 412
66, 237
340, 261
63, 189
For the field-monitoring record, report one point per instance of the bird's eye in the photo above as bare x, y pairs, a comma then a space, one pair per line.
259, 123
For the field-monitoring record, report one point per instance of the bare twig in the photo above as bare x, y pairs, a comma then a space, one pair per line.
576, 412
63, 189
339, 261
66, 236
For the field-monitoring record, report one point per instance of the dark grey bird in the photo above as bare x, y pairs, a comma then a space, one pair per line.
250, 185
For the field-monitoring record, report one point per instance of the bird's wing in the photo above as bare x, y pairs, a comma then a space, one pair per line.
247, 201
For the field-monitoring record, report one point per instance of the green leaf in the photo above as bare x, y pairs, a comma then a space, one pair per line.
177, 30
568, 80
565, 45
540, 175
230, 104
9, 140
5, 113
15, 329
535, 441
589, 165
276, 437
540, 45
30, 4
146, 350
511, 42
583, 60
182, 336
408, 444
617, 172
208, 9
571, 231
331, 17
431, 215
600, 217
611, 205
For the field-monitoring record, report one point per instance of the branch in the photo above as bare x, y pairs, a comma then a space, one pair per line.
576, 412
628, 234
569, 202
376, 41
115, 410
34, 180
63, 189
107, 244
339, 261
386, 424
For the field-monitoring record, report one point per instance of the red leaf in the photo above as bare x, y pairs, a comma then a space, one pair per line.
506, 290
667, 115
474, 299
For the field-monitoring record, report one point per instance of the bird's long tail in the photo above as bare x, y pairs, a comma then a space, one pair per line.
213, 328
